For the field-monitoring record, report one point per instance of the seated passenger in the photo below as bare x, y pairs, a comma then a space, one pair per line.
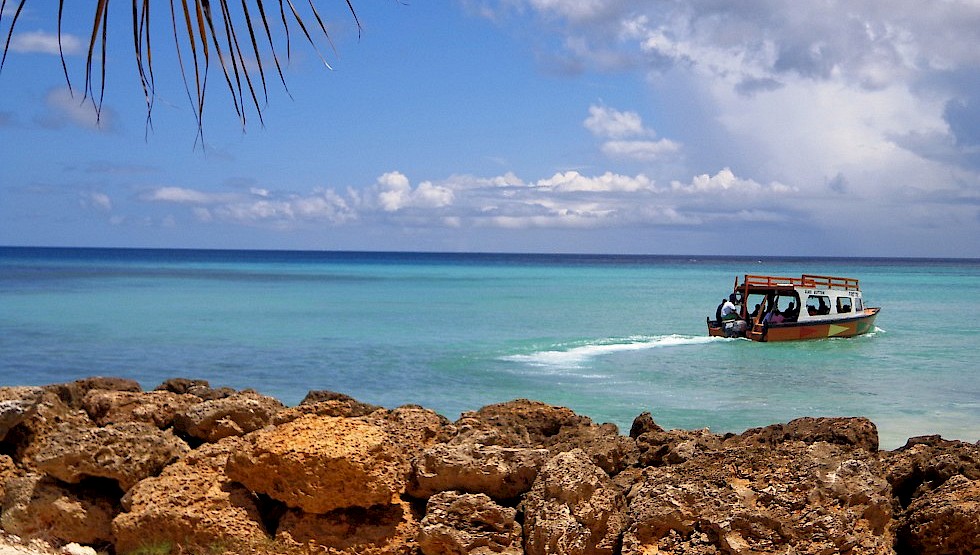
728, 310
792, 313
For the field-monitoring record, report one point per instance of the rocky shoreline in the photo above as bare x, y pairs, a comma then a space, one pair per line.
187, 468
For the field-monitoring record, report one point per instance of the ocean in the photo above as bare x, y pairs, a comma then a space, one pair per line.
608, 336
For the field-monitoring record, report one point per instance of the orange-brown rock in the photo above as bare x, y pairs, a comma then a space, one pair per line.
36, 506
72, 393
793, 497
574, 508
199, 388
519, 423
378, 530
126, 453
500, 472
158, 408
469, 524
319, 464
925, 463
943, 521
236, 415
658, 447
47, 415
192, 503
857, 432
17, 404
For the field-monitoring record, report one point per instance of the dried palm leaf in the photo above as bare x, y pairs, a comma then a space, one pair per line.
199, 27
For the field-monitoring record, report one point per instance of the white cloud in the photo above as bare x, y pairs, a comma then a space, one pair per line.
611, 123
64, 109
608, 182
641, 150
183, 195
726, 180
396, 193
44, 43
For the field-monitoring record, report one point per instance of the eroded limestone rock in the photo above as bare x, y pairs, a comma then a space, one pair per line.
319, 464
574, 508
192, 503
236, 415
500, 472
458, 523
126, 453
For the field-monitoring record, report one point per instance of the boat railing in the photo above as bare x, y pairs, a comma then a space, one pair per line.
806, 280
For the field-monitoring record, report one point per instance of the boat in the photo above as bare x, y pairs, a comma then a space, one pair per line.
793, 309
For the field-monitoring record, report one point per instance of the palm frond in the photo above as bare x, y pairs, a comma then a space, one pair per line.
199, 27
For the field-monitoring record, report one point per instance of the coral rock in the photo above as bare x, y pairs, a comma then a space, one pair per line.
520, 423
945, 520
158, 408
236, 415
38, 507
319, 464
500, 472
849, 432
126, 453
792, 498
574, 508
469, 524
192, 504
198, 388
379, 530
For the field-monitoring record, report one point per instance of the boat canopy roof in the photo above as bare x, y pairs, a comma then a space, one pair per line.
757, 283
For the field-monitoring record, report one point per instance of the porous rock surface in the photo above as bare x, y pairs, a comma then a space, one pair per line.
101, 462
319, 464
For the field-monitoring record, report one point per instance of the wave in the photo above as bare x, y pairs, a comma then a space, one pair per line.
576, 356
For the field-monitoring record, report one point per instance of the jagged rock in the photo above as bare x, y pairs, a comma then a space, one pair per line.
320, 463
643, 424
378, 530
469, 524
46, 417
926, 463
574, 508
17, 404
72, 393
607, 449
944, 520
415, 428
849, 432
500, 472
658, 448
126, 453
192, 503
36, 506
793, 497
519, 423
236, 415
158, 408
356, 408
198, 388
8, 471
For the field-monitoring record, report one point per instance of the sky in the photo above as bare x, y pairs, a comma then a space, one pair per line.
701, 127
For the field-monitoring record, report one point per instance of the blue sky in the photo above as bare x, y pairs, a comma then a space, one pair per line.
603, 126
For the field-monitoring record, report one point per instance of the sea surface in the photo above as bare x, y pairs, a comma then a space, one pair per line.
608, 336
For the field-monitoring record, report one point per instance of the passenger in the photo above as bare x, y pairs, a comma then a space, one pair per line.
728, 309
777, 317
718, 311
755, 312
792, 313
823, 308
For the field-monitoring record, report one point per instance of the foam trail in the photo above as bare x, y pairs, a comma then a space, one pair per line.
574, 357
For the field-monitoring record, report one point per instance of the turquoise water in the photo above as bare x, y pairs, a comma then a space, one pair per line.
608, 336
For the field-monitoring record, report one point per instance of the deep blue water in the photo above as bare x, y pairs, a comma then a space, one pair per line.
608, 336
